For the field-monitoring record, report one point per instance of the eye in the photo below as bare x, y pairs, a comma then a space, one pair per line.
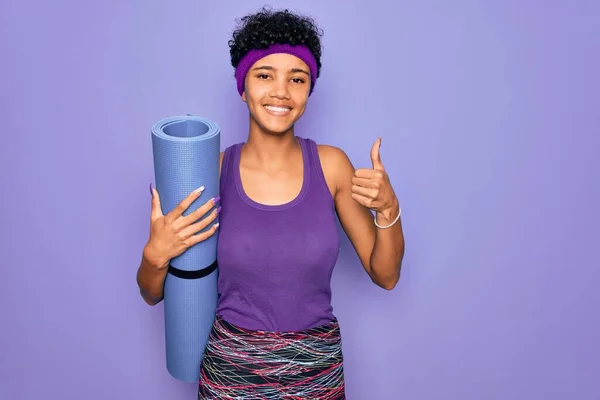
298, 80
262, 76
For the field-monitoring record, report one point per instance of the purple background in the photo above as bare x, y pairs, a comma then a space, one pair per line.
489, 113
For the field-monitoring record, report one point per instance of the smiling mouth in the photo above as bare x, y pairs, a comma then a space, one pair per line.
278, 110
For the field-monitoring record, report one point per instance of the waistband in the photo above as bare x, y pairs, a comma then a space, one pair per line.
331, 329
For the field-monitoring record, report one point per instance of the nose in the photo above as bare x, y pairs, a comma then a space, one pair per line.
279, 89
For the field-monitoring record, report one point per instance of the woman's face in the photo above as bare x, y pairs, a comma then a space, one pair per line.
276, 92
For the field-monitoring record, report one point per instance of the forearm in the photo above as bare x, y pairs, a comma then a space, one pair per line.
388, 250
150, 278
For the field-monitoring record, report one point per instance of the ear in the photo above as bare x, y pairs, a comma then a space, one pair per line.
244, 96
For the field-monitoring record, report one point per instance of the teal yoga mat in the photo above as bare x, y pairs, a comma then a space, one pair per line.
186, 156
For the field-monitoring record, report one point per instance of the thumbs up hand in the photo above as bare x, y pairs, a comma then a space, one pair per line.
372, 187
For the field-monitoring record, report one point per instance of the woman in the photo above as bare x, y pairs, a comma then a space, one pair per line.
275, 335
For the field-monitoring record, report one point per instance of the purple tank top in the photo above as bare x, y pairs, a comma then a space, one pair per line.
275, 262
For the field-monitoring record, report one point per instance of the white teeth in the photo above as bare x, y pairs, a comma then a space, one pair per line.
277, 109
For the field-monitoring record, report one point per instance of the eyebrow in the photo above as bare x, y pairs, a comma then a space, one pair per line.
270, 68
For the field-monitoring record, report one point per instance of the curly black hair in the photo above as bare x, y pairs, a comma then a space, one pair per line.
266, 27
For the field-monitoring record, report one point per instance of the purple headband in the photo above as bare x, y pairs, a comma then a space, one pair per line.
300, 51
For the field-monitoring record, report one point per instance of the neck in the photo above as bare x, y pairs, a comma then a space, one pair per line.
272, 149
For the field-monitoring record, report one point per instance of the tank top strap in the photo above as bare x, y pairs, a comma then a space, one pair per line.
227, 167
316, 171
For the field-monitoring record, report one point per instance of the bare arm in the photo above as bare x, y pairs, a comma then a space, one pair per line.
151, 278
357, 192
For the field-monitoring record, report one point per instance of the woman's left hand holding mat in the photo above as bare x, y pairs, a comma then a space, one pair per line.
170, 236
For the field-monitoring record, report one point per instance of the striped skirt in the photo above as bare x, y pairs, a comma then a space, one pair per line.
251, 365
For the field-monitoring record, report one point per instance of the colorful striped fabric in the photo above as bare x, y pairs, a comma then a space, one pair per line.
253, 365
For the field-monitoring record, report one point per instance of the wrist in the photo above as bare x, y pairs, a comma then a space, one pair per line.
152, 257
387, 215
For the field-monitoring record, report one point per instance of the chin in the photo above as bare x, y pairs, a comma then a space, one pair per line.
276, 129
276, 124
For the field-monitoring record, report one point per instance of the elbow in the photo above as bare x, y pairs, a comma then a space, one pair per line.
150, 300
388, 281
389, 284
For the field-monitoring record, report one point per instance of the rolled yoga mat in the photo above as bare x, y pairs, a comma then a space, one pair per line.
186, 156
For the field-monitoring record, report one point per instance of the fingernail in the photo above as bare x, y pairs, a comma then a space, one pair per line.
216, 225
216, 200
200, 189
219, 209
151, 189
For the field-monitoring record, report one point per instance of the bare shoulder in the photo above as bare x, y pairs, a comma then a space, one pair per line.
336, 165
331, 153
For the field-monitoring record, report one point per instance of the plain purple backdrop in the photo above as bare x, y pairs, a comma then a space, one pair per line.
489, 114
